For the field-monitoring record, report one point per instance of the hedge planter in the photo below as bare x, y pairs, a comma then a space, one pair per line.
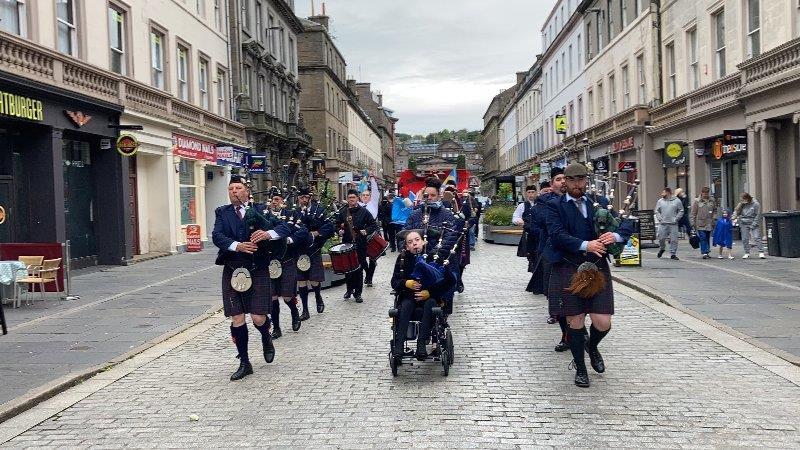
504, 235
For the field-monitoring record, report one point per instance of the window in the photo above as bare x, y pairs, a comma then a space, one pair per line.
262, 92
65, 23
626, 88
719, 43
218, 22
578, 47
623, 13
694, 69
282, 43
183, 73
671, 82
200, 6
221, 109
116, 39
753, 28
589, 41
259, 13
157, 58
569, 56
556, 75
188, 191
580, 114
246, 13
202, 78
571, 118
563, 68
291, 54
641, 79
590, 105
271, 34
601, 107
639, 7
599, 33
612, 93
274, 100
13, 17
610, 23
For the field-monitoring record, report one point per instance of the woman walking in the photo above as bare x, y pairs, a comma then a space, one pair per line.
748, 216
702, 216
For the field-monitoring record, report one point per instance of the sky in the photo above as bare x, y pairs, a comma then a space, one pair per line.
438, 63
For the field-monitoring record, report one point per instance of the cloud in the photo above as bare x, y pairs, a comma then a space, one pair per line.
438, 63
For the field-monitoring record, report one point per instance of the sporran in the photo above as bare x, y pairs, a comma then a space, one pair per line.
275, 269
303, 263
241, 280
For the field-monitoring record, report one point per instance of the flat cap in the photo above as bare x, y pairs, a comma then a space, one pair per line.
576, 170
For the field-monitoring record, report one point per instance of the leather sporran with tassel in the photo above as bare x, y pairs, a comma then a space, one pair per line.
587, 282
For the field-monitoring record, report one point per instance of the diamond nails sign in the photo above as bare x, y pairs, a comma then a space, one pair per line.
127, 145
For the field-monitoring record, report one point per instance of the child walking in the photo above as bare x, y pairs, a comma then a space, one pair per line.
723, 234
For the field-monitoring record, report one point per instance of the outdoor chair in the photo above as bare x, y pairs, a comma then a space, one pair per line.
32, 266
45, 274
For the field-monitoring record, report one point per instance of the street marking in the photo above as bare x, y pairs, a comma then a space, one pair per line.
103, 300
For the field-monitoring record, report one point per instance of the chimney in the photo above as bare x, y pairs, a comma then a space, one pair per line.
380, 99
521, 76
321, 19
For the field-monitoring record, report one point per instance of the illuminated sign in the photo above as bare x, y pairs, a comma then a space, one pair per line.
13, 105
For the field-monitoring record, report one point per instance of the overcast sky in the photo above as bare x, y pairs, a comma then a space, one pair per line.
438, 63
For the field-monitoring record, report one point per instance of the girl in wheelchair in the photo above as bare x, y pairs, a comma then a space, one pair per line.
417, 285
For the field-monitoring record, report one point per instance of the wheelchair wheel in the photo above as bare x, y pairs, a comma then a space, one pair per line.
393, 363
445, 357
450, 352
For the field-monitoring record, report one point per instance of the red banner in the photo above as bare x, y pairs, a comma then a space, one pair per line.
191, 148
193, 242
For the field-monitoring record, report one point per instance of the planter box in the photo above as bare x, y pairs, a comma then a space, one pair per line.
504, 235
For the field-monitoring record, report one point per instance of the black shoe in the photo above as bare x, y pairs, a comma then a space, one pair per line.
359, 299
562, 347
581, 378
596, 359
422, 353
269, 349
276, 333
660, 253
305, 315
460, 287
674, 257
551, 320
347, 295
244, 370
369, 284
320, 307
296, 320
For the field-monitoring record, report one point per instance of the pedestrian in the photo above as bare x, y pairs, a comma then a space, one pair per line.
684, 223
668, 213
573, 243
315, 219
703, 214
723, 234
469, 206
239, 248
355, 223
370, 202
748, 216
385, 218
521, 213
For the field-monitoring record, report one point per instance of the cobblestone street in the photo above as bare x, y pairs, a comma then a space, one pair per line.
665, 386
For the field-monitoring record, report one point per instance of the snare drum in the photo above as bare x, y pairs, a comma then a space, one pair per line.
376, 245
344, 258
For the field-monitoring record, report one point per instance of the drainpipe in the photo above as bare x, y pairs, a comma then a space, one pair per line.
658, 95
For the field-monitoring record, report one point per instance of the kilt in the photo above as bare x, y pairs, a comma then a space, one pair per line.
256, 300
316, 272
286, 285
572, 305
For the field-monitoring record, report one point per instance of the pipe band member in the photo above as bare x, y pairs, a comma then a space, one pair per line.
355, 223
321, 227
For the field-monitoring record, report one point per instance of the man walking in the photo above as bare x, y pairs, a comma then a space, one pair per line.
668, 213
748, 214
702, 217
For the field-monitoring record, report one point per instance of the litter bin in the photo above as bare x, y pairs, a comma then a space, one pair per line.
771, 220
789, 234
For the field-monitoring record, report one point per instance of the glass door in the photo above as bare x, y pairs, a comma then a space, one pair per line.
79, 198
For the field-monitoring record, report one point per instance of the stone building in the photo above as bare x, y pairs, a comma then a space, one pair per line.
372, 103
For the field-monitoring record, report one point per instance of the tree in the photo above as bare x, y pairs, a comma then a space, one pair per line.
461, 162
412, 163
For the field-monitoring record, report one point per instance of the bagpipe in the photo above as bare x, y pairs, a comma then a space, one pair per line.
588, 281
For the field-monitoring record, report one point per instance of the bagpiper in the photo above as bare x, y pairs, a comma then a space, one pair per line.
310, 272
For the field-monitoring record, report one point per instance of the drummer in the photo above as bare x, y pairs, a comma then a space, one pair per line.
370, 201
321, 227
283, 269
355, 223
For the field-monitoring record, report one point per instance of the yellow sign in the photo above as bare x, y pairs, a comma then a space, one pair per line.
632, 253
561, 124
19, 106
674, 150
2, 215
127, 145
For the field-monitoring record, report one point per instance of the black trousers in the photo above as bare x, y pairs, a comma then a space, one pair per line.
370, 270
390, 234
355, 279
407, 307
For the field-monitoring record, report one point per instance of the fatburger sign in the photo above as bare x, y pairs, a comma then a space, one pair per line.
191, 148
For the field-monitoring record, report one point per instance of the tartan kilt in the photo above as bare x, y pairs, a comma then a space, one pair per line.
572, 305
286, 285
316, 272
256, 300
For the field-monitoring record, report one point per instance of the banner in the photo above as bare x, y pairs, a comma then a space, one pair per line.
231, 156
191, 148
632, 252
257, 164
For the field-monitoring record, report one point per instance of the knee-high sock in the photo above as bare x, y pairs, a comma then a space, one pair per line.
576, 345
276, 313
596, 336
239, 335
264, 329
303, 291
292, 304
562, 323
317, 293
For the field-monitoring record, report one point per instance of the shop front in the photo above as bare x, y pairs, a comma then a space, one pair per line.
60, 177
676, 159
191, 158
231, 160
726, 161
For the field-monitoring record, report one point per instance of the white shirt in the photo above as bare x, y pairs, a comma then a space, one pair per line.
372, 206
272, 234
516, 218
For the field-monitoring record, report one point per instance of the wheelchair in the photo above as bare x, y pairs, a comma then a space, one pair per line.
440, 336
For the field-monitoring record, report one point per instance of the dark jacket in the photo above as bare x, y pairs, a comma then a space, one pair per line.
300, 236
362, 220
315, 218
439, 218
539, 220
567, 228
385, 212
531, 229
399, 278
229, 228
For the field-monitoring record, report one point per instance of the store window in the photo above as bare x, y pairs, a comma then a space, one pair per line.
65, 23
188, 192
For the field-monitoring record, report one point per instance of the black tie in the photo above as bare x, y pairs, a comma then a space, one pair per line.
579, 205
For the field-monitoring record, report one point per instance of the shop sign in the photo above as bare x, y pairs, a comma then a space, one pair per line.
105, 144
544, 168
231, 156
734, 141
191, 148
536, 170
632, 252
257, 164
345, 177
561, 124
193, 241
674, 154
626, 166
647, 224
127, 145
78, 117
22, 107
2, 215
600, 165
623, 145
317, 169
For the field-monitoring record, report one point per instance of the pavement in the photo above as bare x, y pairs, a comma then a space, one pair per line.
672, 381
759, 300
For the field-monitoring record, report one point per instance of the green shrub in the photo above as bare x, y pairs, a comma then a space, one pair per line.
334, 240
499, 215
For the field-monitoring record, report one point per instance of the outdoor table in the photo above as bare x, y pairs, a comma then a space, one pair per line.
8, 275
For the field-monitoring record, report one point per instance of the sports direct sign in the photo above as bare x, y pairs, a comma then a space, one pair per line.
191, 148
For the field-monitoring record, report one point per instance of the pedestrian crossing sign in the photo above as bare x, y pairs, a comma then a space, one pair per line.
561, 124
